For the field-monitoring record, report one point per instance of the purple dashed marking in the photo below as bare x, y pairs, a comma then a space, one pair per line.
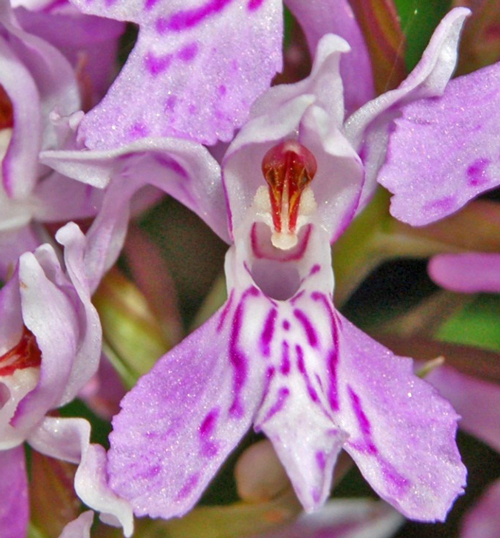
138, 130
286, 325
188, 53
283, 394
183, 20
302, 369
150, 4
236, 356
268, 332
170, 103
209, 422
157, 64
253, 5
222, 90
295, 298
285, 358
321, 460
312, 337
476, 172
364, 423
315, 269
333, 396
188, 487
443, 204
225, 311
171, 164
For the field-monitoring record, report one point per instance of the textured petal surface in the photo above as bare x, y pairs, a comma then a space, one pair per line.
180, 421
181, 168
368, 128
80, 527
477, 402
14, 509
445, 151
326, 17
483, 521
195, 70
68, 439
402, 433
467, 273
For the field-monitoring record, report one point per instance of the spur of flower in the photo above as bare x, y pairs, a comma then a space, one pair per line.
278, 354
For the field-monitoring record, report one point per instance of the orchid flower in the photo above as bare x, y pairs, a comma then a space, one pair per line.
198, 66
35, 81
50, 346
278, 355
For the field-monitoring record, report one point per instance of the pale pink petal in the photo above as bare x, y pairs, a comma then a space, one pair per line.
476, 401
80, 527
445, 151
14, 508
323, 17
68, 439
467, 273
368, 129
483, 521
195, 70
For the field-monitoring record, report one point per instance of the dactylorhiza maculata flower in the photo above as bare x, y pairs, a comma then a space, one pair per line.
278, 355
50, 347
36, 81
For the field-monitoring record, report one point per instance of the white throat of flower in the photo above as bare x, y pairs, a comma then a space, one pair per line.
288, 203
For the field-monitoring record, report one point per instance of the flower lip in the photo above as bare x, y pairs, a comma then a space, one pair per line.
288, 169
25, 354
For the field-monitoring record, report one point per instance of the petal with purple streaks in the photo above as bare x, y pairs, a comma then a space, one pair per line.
402, 433
445, 151
194, 72
14, 509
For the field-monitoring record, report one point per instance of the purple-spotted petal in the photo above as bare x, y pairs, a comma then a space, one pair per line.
80, 527
68, 439
477, 402
325, 17
368, 128
467, 273
181, 420
483, 521
402, 433
445, 151
194, 72
14, 509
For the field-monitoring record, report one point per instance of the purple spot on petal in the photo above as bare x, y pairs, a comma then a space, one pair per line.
192, 109
308, 327
188, 486
364, 423
286, 325
170, 103
188, 53
208, 425
254, 4
285, 358
295, 298
316, 495
185, 19
209, 449
222, 90
268, 332
476, 172
315, 269
442, 205
321, 460
150, 4
138, 130
157, 64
